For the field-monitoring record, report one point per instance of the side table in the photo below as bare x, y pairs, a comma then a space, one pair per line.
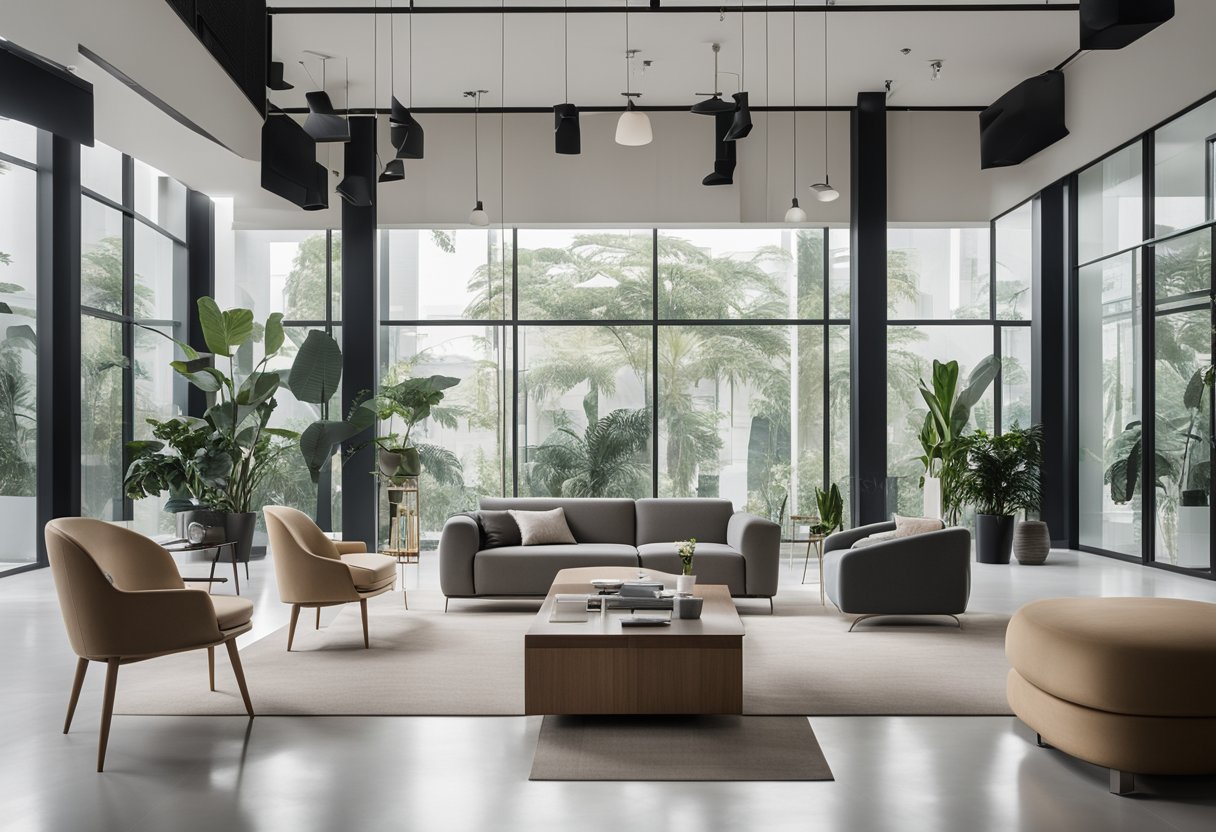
403, 557
175, 546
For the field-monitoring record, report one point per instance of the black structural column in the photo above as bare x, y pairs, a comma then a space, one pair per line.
359, 328
200, 280
868, 214
58, 332
1050, 400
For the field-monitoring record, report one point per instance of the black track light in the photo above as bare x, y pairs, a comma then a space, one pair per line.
741, 124
567, 137
394, 171
323, 122
724, 152
274, 77
356, 190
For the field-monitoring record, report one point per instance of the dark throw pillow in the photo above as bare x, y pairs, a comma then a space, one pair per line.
498, 529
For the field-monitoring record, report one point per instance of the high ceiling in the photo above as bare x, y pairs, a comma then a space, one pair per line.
984, 52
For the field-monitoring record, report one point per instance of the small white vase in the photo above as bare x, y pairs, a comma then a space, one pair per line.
685, 584
932, 506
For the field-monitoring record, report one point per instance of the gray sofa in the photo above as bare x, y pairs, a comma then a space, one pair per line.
740, 550
925, 574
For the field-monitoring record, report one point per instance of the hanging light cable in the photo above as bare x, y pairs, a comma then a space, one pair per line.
795, 214
567, 137
394, 171
824, 192
407, 134
478, 215
633, 127
741, 126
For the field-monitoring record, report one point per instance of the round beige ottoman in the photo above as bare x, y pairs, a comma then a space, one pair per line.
1125, 683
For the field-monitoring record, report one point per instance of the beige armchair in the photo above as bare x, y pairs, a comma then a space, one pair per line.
315, 571
123, 601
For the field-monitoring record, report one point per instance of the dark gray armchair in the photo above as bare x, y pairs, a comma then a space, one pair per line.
925, 574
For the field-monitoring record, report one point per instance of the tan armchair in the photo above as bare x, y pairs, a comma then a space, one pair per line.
315, 571
123, 601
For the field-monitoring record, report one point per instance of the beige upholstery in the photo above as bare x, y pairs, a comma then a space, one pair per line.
1126, 683
123, 600
314, 571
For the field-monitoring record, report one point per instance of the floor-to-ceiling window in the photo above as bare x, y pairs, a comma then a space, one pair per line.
133, 271
18, 343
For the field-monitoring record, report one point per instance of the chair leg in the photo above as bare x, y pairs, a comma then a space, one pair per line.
211, 666
107, 711
1122, 782
318, 625
82, 666
291, 631
445, 604
236, 576
363, 610
235, 658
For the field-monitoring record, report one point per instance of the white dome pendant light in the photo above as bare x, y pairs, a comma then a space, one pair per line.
633, 127
795, 214
478, 216
824, 192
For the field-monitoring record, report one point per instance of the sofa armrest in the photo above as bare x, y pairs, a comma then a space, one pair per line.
458, 544
759, 541
924, 574
350, 547
846, 539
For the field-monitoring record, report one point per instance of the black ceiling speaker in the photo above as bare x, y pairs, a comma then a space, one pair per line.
274, 77
356, 190
1113, 24
724, 156
289, 163
323, 122
567, 137
741, 122
1023, 121
405, 132
45, 94
394, 171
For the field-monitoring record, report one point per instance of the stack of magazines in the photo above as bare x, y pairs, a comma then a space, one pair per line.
633, 595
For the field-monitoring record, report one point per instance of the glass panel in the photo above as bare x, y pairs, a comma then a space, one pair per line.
158, 395
1014, 263
938, 273
101, 171
18, 356
18, 139
438, 275
1015, 377
840, 389
101, 454
160, 276
161, 199
911, 352
573, 378
101, 256
1108, 342
585, 275
839, 295
1181, 175
278, 271
734, 273
1183, 397
1110, 200
335, 256
477, 407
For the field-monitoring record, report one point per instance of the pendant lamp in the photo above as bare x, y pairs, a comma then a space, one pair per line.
824, 192
633, 127
795, 214
567, 135
405, 132
741, 126
714, 104
478, 216
323, 122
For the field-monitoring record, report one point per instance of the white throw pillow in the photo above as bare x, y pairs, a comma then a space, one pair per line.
877, 537
908, 526
537, 528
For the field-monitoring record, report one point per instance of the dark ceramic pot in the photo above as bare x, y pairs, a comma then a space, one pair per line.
239, 527
993, 538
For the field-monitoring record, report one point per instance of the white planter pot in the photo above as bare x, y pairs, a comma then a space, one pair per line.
1193, 537
933, 498
685, 584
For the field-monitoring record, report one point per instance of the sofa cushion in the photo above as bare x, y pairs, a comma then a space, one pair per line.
877, 537
498, 528
591, 519
665, 519
539, 528
713, 563
529, 570
908, 526
370, 571
231, 611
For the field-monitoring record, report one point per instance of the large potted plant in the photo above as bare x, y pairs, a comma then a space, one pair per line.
412, 401
1000, 476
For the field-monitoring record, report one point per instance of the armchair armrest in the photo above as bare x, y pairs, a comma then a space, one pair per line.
153, 622
350, 547
845, 539
458, 544
759, 541
924, 574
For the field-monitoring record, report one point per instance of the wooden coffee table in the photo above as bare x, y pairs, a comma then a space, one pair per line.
598, 667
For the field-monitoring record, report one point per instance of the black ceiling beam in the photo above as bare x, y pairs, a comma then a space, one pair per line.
616, 108
921, 7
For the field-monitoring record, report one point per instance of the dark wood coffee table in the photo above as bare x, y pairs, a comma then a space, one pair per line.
598, 667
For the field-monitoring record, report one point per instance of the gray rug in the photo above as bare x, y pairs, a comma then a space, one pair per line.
801, 661
678, 748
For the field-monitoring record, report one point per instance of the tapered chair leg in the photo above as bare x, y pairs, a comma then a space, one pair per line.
211, 666
363, 609
107, 711
235, 658
318, 626
291, 631
82, 666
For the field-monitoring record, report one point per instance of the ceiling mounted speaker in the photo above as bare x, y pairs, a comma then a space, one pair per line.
741, 122
289, 164
274, 77
724, 156
323, 122
567, 137
317, 195
1113, 24
355, 190
1023, 121
394, 171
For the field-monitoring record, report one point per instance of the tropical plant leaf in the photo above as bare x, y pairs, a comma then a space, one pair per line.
22, 332
257, 388
1192, 397
224, 329
318, 441
274, 333
316, 371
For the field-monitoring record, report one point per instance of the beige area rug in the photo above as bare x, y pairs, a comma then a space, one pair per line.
678, 748
469, 662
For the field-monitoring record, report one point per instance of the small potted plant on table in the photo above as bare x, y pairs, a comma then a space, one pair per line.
686, 580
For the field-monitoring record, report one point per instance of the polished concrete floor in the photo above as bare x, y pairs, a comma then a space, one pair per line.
971, 774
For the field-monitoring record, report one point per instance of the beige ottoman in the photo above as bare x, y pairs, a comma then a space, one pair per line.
1126, 683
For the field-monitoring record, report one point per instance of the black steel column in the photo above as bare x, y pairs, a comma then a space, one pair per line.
359, 328
200, 280
1049, 343
58, 332
868, 434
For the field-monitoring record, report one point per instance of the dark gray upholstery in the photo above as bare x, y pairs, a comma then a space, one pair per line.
924, 574
713, 563
759, 541
591, 520
521, 570
458, 545
666, 519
